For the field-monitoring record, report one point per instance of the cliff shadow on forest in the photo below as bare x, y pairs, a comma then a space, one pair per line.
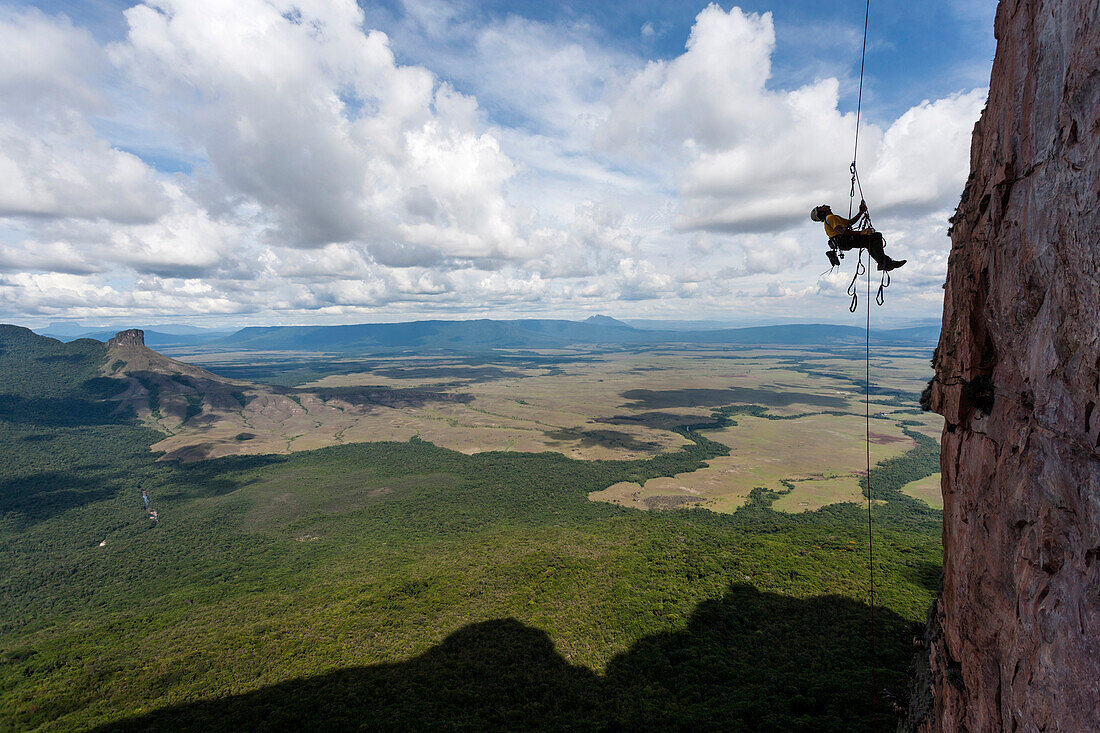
746, 661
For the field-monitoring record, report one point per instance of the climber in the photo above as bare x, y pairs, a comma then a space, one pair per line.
845, 234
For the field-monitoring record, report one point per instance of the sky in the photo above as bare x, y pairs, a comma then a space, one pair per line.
267, 162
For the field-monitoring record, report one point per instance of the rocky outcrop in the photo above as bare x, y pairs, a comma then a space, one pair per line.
1018, 383
129, 338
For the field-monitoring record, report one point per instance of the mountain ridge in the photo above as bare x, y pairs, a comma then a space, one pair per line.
485, 334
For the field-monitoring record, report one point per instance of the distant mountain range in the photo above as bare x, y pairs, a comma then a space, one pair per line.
484, 334
163, 335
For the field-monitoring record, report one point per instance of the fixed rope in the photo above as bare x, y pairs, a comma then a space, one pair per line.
879, 298
859, 109
867, 445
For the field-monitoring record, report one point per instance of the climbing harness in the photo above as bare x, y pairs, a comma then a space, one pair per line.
864, 223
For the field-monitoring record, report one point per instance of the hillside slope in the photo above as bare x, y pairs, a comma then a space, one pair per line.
47, 383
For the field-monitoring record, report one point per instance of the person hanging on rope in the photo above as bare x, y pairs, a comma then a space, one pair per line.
856, 233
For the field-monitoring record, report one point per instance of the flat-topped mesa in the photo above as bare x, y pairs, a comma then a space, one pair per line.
128, 338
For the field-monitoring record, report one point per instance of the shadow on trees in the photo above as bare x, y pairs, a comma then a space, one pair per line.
55, 412
37, 497
748, 661
64, 472
926, 574
649, 399
218, 476
601, 438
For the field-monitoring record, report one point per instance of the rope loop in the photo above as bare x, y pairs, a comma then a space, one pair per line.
884, 283
852, 290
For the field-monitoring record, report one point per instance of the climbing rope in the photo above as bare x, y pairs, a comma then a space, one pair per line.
879, 299
867, 445
859, 109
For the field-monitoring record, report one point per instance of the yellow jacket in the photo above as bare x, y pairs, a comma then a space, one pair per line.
834, 225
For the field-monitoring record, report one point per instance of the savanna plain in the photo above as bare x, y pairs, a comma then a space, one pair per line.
588, 538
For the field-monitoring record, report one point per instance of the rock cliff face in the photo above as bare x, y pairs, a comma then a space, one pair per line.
1018, 382
123, 339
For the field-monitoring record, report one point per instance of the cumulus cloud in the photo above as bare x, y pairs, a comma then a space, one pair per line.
61, 168
300, 108
747, 158
47, 64
336, 170
52, 164
185, 241
924, 155
48, 256
771, 254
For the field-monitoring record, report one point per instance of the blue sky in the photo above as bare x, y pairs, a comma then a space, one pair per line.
915, 50
268, 161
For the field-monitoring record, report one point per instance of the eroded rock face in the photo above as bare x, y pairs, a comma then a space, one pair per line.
130, 337
1018, 383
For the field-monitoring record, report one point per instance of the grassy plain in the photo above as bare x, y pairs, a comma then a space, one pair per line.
810, 494
587, 403
822, 455
927, 490
404, 585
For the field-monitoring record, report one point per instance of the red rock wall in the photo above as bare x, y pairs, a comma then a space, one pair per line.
1018, 383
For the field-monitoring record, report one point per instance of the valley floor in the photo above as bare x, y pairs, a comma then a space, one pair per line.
402, 584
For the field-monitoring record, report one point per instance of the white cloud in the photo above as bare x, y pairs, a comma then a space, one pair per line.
332, 180
46, 64
45, 256
301, 109
185, 240
924, 156
60, 168
771, 254
52, 164
747, 158
640, 280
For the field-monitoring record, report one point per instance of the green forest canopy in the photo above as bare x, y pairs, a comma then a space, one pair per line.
404, 584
